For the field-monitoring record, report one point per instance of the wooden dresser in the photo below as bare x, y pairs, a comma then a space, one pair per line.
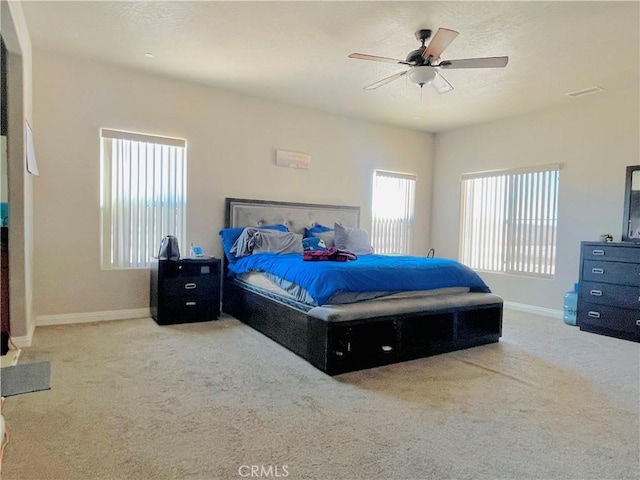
609, 294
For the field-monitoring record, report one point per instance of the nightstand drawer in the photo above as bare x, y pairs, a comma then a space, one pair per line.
171, 269
611, 272
610, 318
607, 294
187, 309
180, 286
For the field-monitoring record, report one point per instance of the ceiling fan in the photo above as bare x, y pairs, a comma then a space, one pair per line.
425, 62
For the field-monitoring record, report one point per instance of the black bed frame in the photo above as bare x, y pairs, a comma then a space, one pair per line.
343, 346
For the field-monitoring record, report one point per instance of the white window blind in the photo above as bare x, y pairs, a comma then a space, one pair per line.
509, 220
143, 196
393, 206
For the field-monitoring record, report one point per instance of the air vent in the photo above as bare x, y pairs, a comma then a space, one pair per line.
586, 91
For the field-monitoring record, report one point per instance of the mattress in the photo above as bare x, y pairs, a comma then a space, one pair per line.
392, 304
257, 283
271, 285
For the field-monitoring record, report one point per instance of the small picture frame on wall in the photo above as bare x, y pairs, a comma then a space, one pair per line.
286, 158
631, 219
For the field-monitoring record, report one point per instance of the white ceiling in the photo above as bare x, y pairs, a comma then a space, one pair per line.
296, 52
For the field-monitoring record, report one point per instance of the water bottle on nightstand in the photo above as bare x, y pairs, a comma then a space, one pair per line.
571, 306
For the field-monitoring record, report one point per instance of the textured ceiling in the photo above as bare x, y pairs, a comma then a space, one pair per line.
296, 52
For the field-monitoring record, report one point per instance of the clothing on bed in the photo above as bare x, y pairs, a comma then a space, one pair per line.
329, 255
230, 235
370, 273
254, 241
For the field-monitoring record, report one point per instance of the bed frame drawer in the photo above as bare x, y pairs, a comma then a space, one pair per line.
362, 344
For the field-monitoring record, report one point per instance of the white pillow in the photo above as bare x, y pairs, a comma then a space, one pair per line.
355, 240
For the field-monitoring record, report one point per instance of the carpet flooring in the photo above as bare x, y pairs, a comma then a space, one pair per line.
132, 400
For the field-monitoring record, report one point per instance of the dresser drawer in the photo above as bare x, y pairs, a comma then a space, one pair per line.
613, 295
611, 272
591, 315
610, 252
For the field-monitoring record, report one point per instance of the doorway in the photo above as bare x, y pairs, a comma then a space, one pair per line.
4, 205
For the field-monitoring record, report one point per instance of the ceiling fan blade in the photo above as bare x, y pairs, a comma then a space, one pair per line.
384, 81
440, 84
488, 62
439, 42
362, 56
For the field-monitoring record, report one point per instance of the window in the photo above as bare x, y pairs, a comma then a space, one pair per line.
393, 199
508, 221
143, 196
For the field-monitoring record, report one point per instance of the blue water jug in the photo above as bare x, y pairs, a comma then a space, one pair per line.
571, 306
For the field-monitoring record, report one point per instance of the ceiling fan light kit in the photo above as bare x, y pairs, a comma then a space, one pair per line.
424, 62
422, 75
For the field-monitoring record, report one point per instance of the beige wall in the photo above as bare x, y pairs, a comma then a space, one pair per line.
593, 138
21, 184
231, 141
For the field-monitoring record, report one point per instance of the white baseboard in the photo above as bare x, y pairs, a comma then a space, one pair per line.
546, 312
69, 318
25, 340
10, 358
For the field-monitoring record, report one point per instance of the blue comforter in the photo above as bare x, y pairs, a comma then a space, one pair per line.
369, 273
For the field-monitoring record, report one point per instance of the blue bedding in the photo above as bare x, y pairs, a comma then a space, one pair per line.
368, 273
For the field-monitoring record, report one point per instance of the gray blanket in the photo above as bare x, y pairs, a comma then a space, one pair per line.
253, 241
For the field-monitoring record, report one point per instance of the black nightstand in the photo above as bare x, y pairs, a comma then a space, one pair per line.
186, 290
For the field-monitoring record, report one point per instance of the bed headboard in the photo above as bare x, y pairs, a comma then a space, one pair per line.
240, 212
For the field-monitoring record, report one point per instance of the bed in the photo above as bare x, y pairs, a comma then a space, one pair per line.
338, 338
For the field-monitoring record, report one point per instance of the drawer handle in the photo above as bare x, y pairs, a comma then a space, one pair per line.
596, 293
638, 322
598, 252
593, 314
190, 304
190, 286
597, 270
